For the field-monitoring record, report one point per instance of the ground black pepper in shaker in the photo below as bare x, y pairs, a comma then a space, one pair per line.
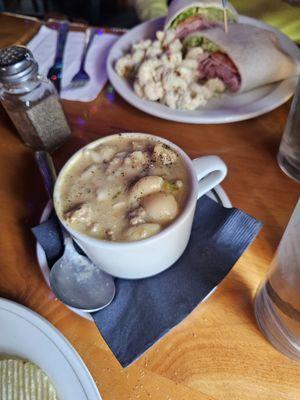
31, 100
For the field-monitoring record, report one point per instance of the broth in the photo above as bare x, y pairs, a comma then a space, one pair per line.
125, 189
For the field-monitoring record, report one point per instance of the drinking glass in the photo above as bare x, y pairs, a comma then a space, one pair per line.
289, 151
277, 303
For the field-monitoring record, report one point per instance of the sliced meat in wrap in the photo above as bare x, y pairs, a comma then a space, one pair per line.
245, 58
186, 16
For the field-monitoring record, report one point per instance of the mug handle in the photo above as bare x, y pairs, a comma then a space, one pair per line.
210, 171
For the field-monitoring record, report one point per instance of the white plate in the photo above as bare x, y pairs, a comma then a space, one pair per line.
25, 334
228, 108
217, 194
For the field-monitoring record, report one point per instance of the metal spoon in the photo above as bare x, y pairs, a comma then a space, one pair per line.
74, 279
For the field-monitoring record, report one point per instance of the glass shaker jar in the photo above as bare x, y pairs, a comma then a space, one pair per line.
31, 100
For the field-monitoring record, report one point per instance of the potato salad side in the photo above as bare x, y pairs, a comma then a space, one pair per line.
124, 189
162, 70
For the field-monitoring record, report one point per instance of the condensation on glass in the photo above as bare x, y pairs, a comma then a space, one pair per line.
277, 303
289, 151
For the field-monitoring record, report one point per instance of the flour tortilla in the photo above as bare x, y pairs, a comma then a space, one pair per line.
256, 53
178, 6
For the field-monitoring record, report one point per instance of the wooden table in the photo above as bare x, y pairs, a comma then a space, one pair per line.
217, 352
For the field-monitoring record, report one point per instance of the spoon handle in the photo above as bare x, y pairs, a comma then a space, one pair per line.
47, 169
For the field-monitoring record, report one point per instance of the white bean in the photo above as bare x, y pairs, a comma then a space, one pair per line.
118, 207
160, 207
145, 186
141, 231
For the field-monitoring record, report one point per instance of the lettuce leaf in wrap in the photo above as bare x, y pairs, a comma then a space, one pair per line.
198, 41
209, 14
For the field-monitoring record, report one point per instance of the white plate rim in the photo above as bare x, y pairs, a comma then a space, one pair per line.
59, 341
281, 93
218, 194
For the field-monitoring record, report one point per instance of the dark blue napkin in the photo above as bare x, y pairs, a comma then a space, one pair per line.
146, 309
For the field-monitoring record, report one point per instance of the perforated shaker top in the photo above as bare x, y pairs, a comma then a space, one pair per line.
16, 64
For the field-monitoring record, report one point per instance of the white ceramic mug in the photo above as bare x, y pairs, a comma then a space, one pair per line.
150, 256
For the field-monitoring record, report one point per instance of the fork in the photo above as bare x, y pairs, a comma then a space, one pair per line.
55, 72
81, 78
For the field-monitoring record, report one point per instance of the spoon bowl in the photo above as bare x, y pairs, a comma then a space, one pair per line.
78, 282
74, 278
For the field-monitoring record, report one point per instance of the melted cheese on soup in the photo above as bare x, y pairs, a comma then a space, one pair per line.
123, 190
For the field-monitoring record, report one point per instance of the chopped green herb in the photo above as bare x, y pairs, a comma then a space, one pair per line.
117, 195
169, 187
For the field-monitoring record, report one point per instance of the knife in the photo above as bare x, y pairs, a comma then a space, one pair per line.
55, 72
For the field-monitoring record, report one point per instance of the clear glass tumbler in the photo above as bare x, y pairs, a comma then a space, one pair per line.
277, 303
289, 151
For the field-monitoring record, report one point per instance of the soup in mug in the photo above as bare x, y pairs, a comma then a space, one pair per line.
125, 189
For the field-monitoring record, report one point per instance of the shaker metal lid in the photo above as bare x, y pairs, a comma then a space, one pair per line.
16, 64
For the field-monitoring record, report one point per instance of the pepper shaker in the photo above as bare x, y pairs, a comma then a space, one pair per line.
31, 100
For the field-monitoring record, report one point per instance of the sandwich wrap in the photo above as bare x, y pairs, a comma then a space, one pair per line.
245, 58
187, 16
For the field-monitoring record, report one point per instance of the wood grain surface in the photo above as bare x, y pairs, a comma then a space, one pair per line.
217, 352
